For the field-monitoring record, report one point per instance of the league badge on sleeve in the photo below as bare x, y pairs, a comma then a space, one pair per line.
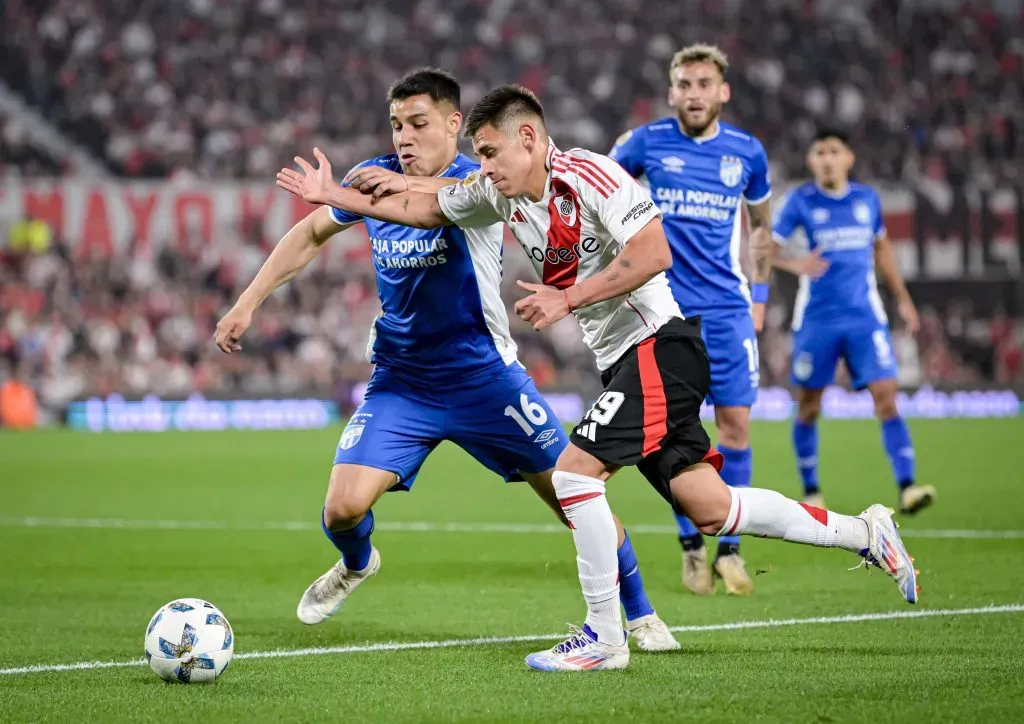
731, 171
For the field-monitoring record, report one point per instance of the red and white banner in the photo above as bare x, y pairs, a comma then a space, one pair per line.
105, 218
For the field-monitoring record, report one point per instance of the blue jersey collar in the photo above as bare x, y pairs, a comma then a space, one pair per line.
702, 139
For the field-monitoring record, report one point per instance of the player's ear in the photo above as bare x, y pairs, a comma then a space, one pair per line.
528, 135
724, 93
454, 123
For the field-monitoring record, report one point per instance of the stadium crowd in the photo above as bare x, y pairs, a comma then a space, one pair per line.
229, 89
221, 89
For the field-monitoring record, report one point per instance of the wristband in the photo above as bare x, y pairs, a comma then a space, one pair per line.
759, 293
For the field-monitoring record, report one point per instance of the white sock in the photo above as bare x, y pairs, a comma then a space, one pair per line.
593, 530
768, 514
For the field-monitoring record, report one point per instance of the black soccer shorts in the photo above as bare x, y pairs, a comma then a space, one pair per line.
649, 412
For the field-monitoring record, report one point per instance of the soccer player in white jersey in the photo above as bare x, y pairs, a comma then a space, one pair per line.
445, 365
596, 241
702, 171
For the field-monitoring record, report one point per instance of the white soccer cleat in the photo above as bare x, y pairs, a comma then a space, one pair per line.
915, 498
326, 594
816, 500
652, 634
733, 572
581, 652
886, 550
697, 572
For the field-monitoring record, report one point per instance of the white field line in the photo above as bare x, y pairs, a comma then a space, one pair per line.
493, 640
414, 527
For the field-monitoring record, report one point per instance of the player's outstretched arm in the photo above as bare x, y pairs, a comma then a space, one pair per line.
889, 268
377, 182
292, 254
809, 265
317, 186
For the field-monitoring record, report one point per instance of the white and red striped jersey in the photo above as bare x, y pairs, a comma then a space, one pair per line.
590, 209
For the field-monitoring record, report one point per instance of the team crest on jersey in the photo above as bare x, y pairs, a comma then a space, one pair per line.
731, 171
862, 213
674, 164
819, 216
353, 433
567, 209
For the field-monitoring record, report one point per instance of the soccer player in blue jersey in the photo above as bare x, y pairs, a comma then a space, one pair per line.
839, 313
445, 363
700, 171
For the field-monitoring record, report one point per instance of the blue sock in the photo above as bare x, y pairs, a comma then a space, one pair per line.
805, 445
736, 472
354, 543
690, 537
900, 449
631, 584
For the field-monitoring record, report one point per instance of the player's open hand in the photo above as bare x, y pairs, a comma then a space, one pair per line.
908, 313
812, 265
376, 181
231, 328
311, 184
545, 306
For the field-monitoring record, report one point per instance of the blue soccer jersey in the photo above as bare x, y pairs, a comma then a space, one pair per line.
699, 184
442, 323
839, 315
446, 365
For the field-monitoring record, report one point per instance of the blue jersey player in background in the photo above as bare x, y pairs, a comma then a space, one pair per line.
700, 171
445, 365
839, 313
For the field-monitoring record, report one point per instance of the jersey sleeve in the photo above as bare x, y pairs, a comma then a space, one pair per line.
759, 187
346, 218
469, 204
628, 151
787, 220
622, 204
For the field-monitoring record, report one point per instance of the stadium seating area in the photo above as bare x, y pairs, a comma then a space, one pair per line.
230, 89
227, 90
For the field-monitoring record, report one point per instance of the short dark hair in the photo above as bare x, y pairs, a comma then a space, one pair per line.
502, 105
439, 84
831, 132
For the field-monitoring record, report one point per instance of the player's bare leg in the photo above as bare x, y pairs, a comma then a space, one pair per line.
805, 442
579, 483
899, 447
718, 509
642, 621
347, 522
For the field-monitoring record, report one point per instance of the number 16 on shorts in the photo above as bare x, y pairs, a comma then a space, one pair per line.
601, 413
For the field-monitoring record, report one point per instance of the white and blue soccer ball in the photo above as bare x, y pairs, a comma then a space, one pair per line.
189, 640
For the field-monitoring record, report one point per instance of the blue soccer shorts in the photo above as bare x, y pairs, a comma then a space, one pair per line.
504, 423
865, 345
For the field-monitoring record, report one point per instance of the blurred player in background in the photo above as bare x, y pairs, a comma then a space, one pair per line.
445, 363
596, 241
700, 171
839, 313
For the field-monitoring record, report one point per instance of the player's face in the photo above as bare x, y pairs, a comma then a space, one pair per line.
505, 158
830, 160
697, 92
425, 134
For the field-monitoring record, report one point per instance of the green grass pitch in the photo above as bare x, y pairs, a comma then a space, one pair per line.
82, 590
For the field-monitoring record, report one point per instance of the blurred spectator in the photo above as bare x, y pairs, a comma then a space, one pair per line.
18, 407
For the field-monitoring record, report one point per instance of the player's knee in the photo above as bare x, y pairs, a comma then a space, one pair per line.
885, 401
734, 427
807, 411
345, 509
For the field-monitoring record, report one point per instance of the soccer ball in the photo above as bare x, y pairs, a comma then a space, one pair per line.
189, 640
